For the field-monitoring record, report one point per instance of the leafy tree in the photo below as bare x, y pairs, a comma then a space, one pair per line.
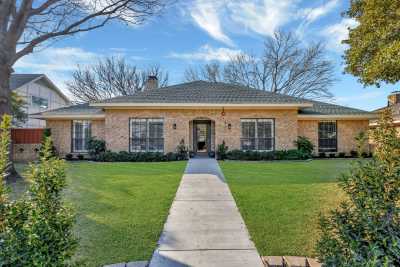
374, 45
365, 230
18, 111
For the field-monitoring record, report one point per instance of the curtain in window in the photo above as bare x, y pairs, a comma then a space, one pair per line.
80, 135
147, 135
257, 134
327, 136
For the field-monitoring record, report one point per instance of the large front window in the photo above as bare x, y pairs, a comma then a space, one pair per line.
80, 135
327, 136
257, 134
146, 135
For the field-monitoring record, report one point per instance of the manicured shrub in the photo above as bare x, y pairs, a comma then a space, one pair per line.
332, 155
182, 150
304, 145
364, 154
80, 157
124, 156
353, 154
68, 156
322, 154
365, 230
342, 155
222, 149
96, 146
292, 154
37, 229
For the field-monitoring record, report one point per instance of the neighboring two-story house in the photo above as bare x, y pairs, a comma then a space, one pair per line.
40, 94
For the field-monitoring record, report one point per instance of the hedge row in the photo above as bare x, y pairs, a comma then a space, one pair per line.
292, 154
124, 156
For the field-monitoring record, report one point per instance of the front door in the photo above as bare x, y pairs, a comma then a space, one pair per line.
202, 136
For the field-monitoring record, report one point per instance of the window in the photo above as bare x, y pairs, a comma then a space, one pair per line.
80, 135
147, 135
257, 134
327, 136
40, 102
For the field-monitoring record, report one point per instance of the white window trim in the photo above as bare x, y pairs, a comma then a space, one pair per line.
256, 120
86, 138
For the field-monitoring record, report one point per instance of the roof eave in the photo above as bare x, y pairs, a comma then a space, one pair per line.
67, 116
198, 105
337, 116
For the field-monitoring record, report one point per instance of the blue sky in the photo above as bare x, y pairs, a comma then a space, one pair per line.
194, 32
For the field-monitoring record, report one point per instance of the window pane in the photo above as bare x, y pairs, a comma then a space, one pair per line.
257, 134
147, 135
327, 132
80, 135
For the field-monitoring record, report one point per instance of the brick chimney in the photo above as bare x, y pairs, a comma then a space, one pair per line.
151, 83
394, 98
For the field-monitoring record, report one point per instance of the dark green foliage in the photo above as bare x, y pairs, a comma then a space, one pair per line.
96, 146
342, 155
222, 150
322, 154
80, 157
124, 156
38, 227
182, 150
292, 154
304, 145
365, 230
353, 154
69, 156
332, 155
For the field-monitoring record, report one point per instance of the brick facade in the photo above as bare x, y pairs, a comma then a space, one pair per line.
115, 128
347, 130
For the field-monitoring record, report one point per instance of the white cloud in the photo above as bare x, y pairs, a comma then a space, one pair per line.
56, 63
208, 53
263, 16
205, 14
338, 32
312, 14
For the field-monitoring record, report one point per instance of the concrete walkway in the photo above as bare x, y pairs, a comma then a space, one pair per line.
204, 227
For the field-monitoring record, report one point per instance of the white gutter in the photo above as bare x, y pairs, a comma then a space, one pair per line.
337, 117
196, 105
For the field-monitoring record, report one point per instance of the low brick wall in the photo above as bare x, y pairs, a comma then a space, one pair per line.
25, 152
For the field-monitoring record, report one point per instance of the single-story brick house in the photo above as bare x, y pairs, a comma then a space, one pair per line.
205, 114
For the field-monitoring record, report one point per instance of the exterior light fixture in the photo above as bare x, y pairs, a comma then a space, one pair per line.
229, 126
223, 112
174, 126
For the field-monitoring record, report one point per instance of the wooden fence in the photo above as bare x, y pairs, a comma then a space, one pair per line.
26, 136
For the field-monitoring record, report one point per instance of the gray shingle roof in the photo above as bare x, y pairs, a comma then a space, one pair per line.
212, 93
18, 80
206, 92
79, 109
322, 108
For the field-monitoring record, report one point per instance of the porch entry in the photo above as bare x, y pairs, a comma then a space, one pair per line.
202, 136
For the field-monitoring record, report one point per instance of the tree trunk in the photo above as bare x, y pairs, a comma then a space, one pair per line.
5, 108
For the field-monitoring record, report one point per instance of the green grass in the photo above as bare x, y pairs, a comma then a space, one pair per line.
121, 207
281, 201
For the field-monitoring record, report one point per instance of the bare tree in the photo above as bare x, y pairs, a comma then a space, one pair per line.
211, 72
26, 24
285, 67
111, 77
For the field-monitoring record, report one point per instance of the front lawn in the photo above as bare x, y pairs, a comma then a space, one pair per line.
281, 201
121, 208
